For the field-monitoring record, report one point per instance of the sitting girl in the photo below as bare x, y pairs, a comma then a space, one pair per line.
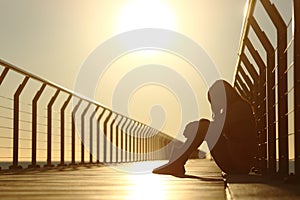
231, 135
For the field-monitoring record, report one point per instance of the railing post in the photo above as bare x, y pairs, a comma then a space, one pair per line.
117, 130
248, 86
270, 89
111, 140
260, 104
91, 133
2, 77
297, 85
147, 143
134, 140
244, 87
34, 126
282, 84
73, 118
49, 129
130, 140
83, 131
246, 78
105, 136
126, 140
143, 145
154, 147
17, 94
3, 74
159, 147
62, 131
98, 135
139, 139
239, 89
122, 139
151, 144
138, 145
249, 67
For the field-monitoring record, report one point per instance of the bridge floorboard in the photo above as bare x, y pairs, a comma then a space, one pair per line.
203, 181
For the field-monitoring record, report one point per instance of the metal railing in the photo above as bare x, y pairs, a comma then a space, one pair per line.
267, 74
38, 126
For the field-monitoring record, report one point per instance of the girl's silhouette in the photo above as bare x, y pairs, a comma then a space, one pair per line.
231, 135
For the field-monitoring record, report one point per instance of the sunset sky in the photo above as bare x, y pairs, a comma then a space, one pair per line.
54, 38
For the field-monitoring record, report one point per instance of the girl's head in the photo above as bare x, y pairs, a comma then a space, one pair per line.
221, 95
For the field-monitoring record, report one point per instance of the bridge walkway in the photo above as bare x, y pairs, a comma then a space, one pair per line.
203, 181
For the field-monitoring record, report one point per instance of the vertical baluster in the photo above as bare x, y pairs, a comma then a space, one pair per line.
91, 133
266, 43
62, 131
111, 140
123, 128
297, 85
105, 136
98, 134
117, 131
17, 94
49, 129
83, 131
34, 126
282, 84
73, 118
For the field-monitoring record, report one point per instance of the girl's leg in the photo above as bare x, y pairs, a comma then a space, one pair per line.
228, 157
178, 159
221, 155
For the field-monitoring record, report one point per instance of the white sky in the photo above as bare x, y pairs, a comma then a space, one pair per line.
53, 38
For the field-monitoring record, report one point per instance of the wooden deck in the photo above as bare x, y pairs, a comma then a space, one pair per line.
203, 181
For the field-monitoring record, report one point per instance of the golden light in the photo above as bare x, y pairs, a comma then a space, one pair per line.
146, 14
147, 187
246, 9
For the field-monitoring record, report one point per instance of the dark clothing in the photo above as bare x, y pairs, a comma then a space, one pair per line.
236, 147
231, 136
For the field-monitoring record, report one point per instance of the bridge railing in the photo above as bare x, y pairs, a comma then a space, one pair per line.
267, 74
44, 124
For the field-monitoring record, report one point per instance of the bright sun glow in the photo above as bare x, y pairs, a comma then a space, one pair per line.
146, 14
147, 187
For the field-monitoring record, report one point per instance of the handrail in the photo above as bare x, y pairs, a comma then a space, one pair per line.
245, 29
107, 125
273, 91
56, 86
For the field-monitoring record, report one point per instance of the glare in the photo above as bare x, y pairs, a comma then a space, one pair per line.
246, 9
147, 187
146, 14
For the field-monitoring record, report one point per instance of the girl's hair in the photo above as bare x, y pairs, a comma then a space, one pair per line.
220, 88
216, 92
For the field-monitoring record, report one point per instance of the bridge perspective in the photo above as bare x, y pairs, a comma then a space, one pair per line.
58, 144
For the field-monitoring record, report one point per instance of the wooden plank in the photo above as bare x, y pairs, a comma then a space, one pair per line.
103, 182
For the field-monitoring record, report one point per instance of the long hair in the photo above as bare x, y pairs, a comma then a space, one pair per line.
222, 90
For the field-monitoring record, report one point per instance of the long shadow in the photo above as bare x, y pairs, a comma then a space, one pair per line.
289, 184
200, 178
25, 171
